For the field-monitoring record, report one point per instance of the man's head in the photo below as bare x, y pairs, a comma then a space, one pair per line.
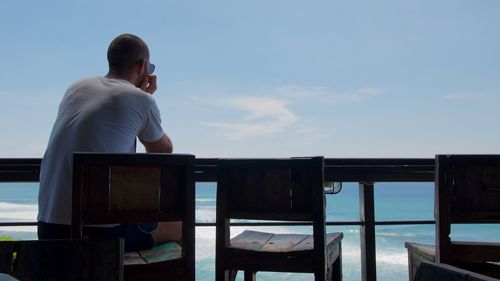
128, 56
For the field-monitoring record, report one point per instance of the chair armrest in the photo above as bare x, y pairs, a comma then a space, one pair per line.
418, 253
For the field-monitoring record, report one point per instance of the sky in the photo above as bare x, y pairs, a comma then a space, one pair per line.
270, 78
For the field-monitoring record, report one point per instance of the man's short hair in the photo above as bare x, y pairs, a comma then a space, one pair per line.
125, 51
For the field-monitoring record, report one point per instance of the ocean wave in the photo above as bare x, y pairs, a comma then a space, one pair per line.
13, 229
205, 215
394, 234
14, 211
9, 205
392, 258
204, 200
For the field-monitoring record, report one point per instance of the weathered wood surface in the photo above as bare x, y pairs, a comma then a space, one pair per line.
251, 240
141, 183
443, 272
268, 193
417, 253
271, 242
467, 190
119, 194
135, 188
88, 259
160, 253
274, 189
476, 251
336, 169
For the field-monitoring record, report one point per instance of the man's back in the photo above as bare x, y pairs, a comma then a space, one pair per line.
96, 115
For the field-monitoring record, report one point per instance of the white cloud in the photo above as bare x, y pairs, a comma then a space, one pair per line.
264, 115
323, 95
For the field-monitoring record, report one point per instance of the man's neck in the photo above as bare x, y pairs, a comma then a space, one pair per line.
112, 75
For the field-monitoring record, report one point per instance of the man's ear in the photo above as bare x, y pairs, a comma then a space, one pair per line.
141, 67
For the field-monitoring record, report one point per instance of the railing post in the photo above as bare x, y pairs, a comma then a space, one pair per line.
367, 232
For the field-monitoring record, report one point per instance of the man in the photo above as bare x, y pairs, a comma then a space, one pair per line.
104, 114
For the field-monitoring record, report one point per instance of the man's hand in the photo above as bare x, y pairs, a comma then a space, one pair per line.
149, 84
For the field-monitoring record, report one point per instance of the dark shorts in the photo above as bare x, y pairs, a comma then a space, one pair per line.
137, 236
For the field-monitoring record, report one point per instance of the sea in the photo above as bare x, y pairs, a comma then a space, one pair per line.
393, 201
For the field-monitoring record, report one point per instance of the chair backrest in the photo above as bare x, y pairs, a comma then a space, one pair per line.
130, 188
271, 189
467, 191
87, 259
437, 271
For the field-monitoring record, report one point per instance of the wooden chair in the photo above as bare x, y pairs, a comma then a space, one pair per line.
468, 192
62, 260
133, 188
274, 189
443, 272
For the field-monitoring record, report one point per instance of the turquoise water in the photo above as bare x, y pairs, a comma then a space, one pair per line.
409, 201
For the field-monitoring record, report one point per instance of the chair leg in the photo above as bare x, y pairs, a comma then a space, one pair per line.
329, 272
319, 276
335, 272
250, 275
222, 275
232, 274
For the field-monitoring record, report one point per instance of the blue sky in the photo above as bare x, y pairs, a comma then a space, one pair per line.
271, 78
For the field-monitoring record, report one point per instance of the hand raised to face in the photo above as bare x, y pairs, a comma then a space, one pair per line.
148, 85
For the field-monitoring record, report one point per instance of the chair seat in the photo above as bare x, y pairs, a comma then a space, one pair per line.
281, 243
263, 251
160, 253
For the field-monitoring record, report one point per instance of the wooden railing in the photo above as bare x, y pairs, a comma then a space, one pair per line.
366, 172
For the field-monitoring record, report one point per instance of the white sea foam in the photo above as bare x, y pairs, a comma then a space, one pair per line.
392, 257
205, 200
205, 243
205, 215
352, 231
391, 260
18, 212
394, 234
17, 229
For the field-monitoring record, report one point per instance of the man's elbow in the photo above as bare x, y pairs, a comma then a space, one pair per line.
163, 145
169, 147
168, 144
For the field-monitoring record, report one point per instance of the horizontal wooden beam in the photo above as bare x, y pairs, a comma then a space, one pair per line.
336, 169
273, 223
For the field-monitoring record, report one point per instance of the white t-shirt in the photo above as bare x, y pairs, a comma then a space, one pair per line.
96, 114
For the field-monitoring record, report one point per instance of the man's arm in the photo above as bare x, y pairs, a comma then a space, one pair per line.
163, 145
